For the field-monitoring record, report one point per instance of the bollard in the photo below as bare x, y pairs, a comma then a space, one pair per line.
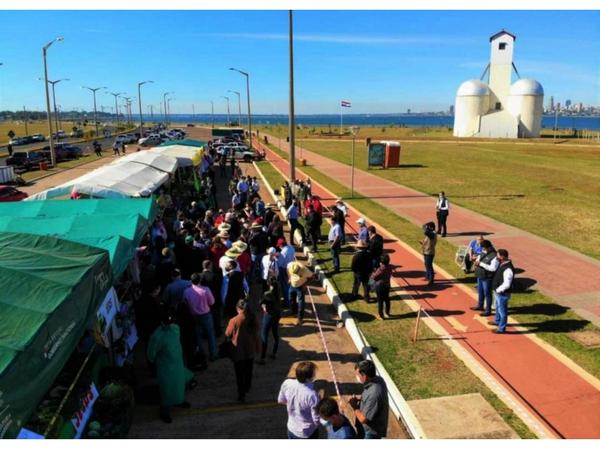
414, 339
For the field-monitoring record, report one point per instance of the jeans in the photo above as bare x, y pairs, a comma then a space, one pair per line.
484, 291
502, 311
442, 216
383, 298
269, 323
285, 286
205, 326
315, 435
335, 256
299, 292
243, 376
256, 270
358, 280
293, 225
370, 435
428, 267
315, 234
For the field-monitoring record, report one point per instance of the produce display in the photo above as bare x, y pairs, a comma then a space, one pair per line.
113, 412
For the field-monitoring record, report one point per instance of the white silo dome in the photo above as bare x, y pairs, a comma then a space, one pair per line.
526, 86
473, 88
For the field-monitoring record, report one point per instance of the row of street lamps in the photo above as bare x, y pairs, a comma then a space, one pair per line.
116, 95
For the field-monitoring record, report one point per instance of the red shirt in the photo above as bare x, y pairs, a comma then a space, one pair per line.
216, 254
316, 203
245, 262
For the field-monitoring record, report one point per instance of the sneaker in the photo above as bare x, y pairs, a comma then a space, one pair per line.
379, 317
485, 314
476, 308
498, 332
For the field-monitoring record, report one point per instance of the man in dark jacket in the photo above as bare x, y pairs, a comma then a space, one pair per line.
234, 279
362, 266
212, 279
375, 245
485, 267
313, 222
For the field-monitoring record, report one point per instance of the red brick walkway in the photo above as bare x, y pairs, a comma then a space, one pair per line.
567, 404
569, 278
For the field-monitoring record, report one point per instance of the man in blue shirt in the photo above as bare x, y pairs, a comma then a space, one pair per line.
473, 251
337, 425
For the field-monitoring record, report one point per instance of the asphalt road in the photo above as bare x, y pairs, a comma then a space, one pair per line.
106, 146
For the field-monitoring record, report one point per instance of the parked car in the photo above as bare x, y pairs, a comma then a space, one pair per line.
26, 160
39, 137
131, 138
10, 194
122, 139
60, 134
76, 134
153, 139
239, 153
17, 141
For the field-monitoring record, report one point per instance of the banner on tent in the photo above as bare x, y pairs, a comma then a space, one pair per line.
105, 316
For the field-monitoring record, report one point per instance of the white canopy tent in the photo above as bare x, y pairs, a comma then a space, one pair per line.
162, 162
128, 179
186, 155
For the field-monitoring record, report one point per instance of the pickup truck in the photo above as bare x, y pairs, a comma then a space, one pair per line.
26, 160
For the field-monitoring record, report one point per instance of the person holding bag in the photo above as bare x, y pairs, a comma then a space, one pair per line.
380, 282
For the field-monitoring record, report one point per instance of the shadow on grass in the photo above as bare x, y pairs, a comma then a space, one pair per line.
552, 326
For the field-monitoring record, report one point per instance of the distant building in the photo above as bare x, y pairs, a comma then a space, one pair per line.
579, 107
408, 111
551, 104
499, 108
451, 110
568, 104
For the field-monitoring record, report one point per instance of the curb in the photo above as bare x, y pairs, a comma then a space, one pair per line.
398, 403
534, 424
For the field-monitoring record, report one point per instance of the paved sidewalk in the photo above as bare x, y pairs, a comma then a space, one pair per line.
568, 277
547, 385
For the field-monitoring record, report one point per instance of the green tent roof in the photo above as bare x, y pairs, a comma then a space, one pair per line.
146, 207
51, 291
188, 142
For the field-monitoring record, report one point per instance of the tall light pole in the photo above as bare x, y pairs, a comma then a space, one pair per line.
93, 91
228, 119
53, 83
212, 113
248, 97
239, 108
555, 123
44, 52
165, 104
169, 109
292, 125
116, 96
127, 103
140, 104
354, 131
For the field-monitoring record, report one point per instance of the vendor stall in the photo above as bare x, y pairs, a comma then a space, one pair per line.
186, 155
164, 163
51, 291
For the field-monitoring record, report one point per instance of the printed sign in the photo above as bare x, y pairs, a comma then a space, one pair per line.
82, 416
24, 433
106, 314
376, 154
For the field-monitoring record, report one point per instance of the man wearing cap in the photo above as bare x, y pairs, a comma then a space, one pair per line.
299, 275
362, 266
269, 266
363, 232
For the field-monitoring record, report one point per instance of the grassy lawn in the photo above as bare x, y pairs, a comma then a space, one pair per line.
534, 311
33, 127
383, 132
547, 190
33, 174
415, 368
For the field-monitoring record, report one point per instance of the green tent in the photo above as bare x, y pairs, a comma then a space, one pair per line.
187, 142
146, 207
51, 291
118, 234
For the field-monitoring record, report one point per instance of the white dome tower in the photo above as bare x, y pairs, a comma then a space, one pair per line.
472, 101
526, 101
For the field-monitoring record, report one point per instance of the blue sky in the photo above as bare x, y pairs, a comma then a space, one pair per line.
382, 61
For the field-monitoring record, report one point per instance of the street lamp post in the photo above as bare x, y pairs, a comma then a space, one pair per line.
228, 118
239, 108
212, 113
169, 109
56, 117
93, 90
44, 52
555, 123
165, 104
354, 131
292, 125
248, 97
116, 95
140, 104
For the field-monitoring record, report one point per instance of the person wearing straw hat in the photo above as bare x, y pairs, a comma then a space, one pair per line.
299, 276
244, 259
362, 266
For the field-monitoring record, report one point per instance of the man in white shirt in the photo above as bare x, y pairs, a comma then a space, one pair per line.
502, 288
269, 266
335, 242
442, 209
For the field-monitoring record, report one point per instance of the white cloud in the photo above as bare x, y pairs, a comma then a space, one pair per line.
342, 38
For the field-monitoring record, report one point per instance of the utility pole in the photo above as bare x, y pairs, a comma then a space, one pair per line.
228, 118
239, 108
292, 125
44, 53
25, 115
93, 90
165, 104
116, 95
140, 104
212, 113
247, 75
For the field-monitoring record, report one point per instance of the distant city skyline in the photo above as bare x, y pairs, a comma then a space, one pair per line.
382, 61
